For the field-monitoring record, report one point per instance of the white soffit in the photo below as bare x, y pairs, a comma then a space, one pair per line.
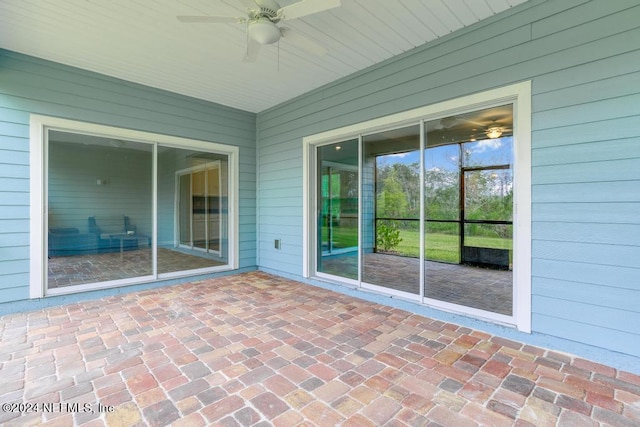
142, 41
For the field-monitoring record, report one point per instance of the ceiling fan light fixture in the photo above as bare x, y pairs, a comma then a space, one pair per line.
264, 31
494, 132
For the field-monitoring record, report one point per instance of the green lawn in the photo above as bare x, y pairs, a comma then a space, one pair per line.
440, 246
444, 247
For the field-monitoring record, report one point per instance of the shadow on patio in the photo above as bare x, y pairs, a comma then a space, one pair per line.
254, 348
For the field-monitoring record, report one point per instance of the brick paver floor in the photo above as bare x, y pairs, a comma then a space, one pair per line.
255, 349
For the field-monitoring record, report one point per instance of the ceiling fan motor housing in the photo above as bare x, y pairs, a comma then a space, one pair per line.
268, 8
264, 31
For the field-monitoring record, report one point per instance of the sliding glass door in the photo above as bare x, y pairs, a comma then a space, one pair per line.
99, 209
337, 201
193, 220
468, 241
423, 211
391, 210
126, 210
199, 208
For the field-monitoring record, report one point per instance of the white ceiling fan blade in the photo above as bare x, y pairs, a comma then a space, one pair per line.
302, 42
211, 19
307, 7
253, 49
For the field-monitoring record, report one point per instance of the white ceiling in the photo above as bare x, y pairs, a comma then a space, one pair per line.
143, 42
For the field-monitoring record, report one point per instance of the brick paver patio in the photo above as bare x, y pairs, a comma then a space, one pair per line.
255, 349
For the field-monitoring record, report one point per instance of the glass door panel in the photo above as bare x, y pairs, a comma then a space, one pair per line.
100, 199
100, 209
391, 209
192, 220
488, 194
337, 201
469, 210
442, 203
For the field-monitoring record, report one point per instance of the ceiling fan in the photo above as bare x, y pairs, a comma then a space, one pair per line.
262, 28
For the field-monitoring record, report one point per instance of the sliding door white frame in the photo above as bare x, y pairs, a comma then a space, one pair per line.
39, 129
517, 94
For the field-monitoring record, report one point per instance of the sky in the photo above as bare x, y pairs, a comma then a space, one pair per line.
485, 152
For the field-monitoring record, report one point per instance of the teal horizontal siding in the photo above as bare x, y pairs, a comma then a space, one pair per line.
13, 240
14, 212
571, 17
290, 204
582, 58
14, 185
591, 192
602, 212
605, 88
30, 85
8, 281
18, 130
626, 127
588, 232
278, 230
14, 293
595, 295
612, 170
592, 314
607, 276
588, 253
18, 158
617, 149
12, 143
612, 339
13, 171
14, 226
607, 109
288, 262
11, 266
15, 198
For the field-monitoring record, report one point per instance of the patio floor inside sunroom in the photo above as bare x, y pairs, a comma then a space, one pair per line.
256, 349
92, 268
481, 288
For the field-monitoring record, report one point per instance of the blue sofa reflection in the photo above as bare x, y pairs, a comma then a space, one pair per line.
105, 234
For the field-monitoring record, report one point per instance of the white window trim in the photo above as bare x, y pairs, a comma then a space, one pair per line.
39, 126
520, 95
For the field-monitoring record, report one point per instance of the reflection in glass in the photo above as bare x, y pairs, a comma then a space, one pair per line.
100, 209
488, 152
100, 201
488, 195
442, 182
391, 219
442, 241
192, 214
488, 245
337, 197
469, 210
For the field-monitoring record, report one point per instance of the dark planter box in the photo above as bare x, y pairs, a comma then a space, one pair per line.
497, 259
